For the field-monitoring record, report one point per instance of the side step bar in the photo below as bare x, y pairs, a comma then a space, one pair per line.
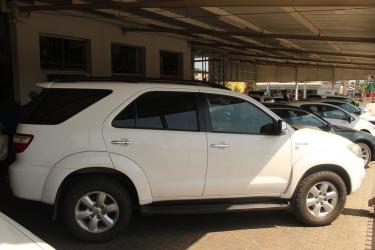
213, 208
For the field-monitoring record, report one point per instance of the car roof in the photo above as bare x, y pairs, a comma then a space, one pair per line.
297, 103
113, 85
282, 106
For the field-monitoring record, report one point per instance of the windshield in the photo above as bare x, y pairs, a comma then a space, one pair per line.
347, 107
298, 117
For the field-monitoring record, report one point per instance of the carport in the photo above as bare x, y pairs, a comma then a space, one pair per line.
283, 41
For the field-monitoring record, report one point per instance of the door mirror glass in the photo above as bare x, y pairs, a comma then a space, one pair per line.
349, 118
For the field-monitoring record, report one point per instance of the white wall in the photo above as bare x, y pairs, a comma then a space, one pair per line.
100, 34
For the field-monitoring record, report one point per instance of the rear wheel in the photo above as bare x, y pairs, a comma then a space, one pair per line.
96, 208
320, 198
366, 152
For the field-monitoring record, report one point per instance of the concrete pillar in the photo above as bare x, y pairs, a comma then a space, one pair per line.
296, 80
304, 90
333, 81
268, 89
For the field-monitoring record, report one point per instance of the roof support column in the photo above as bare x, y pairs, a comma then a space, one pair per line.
296, 81
304, 90
333, 81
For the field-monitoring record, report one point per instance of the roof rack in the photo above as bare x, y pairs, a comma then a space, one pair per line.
129, 79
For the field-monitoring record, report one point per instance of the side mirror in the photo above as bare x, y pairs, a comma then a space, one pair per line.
349, 119
275, 128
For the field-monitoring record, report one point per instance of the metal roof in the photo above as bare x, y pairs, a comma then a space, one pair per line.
325, 33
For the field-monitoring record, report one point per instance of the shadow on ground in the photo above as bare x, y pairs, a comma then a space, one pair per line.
153, 232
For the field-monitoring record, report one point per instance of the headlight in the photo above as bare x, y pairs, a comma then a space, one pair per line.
355, 149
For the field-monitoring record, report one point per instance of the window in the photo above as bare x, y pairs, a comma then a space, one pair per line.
63, 54
128, 59
160, 110
305, 119
170, 64
347, 106
326, 111
55, 106
234, 115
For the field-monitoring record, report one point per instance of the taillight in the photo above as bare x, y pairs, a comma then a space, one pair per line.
21, 142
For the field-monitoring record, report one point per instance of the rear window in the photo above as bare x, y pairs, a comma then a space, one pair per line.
55, 106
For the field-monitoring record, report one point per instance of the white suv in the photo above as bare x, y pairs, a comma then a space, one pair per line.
98, 151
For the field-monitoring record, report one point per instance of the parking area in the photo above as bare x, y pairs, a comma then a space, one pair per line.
354, 229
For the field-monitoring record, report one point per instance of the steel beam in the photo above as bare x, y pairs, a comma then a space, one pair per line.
264, 62
282, 50
303, 59
257, 35
200, 3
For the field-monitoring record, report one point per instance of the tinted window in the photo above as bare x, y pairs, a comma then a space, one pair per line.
160, 110
326, 111
284, 114
346, 106
54, 106
305, 119
234, 115
126, 119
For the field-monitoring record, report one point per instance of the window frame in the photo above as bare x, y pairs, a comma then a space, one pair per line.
201, 126
87, 58
207, 117
133, 46
181, 66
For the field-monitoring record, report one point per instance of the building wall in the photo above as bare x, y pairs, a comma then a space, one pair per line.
100, 35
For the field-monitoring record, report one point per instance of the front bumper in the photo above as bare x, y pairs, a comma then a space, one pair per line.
27, 181
357, 174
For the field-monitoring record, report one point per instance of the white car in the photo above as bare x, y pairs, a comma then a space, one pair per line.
337, 116
352, 109
97, 151
15, 237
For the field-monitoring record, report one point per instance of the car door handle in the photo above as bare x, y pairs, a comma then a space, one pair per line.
219, 145
122, 142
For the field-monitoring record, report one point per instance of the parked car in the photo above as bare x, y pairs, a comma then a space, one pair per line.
314, 96
337, 116
298, 117
14, 236
354, 110
343, 98
98, 151
263, 99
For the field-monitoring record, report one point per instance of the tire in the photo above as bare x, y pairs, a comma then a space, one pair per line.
116, 207
366, 152
318, 213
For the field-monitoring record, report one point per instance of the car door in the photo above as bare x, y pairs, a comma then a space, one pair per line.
161, 132
241, 160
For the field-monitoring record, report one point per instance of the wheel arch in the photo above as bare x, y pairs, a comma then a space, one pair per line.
114, 174
329, 167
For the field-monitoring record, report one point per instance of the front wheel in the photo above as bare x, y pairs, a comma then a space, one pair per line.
320, 198
96, 208
366, 152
